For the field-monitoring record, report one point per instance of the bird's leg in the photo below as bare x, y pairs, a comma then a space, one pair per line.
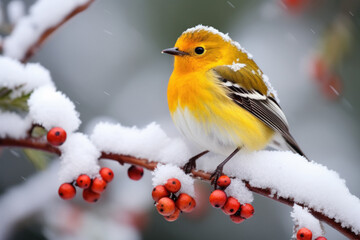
191, 164
218, 171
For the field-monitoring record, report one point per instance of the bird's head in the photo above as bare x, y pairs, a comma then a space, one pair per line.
201, 48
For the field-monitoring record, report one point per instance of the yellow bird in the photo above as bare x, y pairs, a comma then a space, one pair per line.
219, 98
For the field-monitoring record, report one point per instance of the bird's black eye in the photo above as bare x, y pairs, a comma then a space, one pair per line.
199, 50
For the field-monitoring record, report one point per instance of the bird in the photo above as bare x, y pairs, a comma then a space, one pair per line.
219, 98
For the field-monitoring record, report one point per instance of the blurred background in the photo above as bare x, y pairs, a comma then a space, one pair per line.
107, 60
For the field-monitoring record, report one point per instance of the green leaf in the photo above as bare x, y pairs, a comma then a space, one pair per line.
13, 104
5, 92
38, 131
38, 158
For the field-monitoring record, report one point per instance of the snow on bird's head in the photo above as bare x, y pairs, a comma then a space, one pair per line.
201, 33
203, 47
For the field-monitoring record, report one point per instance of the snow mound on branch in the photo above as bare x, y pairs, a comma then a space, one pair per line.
22, 79
51, 108
14, 126
15, 11
43, 15
238, 190
164, 172
302, 218
78, 156
291, 176
150, 142
287, 174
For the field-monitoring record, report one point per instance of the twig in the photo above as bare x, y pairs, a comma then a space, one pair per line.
122, 159
31, 51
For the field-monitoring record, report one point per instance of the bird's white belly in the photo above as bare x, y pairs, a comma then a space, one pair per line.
208, 135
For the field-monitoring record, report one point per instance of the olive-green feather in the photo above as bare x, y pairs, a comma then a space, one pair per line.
248, 78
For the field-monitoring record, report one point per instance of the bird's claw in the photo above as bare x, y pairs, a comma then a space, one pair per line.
189, 166
215, 176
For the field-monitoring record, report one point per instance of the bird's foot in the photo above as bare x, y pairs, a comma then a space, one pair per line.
190, 165
215, 175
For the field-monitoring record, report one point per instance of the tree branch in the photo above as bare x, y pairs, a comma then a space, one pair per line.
122, 159
32, 50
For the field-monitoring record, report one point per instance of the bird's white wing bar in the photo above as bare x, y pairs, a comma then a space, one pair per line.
261, 106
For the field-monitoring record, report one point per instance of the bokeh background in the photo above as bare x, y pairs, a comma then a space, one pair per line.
108, 61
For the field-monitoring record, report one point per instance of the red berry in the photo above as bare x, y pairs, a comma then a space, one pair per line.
320, 69
90, 196
304, 234
135, 173
107, 174
173, 185
159, 192
332, 88
247, 210
321, 238
67, 191
83, 181
223, 181
295, 5
174, 216
165, 206
231, 206
218, 198
236, 218
193, 205
185, 203
98, 185
56, 136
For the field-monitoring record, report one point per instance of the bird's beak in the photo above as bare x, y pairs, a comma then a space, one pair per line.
174, 51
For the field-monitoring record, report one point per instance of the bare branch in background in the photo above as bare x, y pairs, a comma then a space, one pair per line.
32, 50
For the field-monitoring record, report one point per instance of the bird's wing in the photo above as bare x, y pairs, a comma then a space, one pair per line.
248, 91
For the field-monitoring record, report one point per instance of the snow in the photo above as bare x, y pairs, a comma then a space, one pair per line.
291, 176
15, 11
164, 172
225, 37
236, 66
287, 174
78, 156
23, 200
238, 190
14, 126
66, 222
22, 79
271, 90
51, 108
302, 218
150, 142
43, 15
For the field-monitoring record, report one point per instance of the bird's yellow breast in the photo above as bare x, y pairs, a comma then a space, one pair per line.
213, 112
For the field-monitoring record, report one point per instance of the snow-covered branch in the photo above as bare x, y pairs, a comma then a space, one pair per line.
340, 211
44, 18
27, 88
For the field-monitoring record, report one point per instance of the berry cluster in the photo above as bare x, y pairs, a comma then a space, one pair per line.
306, 234
168, 204
92, 188
56, 136
230, 205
